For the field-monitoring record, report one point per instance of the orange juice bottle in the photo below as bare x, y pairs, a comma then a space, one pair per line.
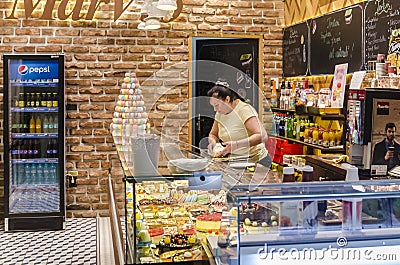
38, 125
32, 125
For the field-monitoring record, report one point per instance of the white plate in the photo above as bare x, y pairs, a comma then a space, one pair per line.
242, 164
187, 164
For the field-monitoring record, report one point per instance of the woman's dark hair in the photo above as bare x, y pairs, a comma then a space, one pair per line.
222, 90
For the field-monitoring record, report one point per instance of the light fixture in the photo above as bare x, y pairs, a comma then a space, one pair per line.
142, 25
153, 12
167, 5
152, 23
139, 4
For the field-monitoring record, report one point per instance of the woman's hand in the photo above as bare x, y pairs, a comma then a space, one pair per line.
228, 149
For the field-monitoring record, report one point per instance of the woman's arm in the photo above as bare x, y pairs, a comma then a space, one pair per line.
257, 133
213, 137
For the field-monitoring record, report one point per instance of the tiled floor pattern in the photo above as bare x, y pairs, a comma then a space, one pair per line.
77, 244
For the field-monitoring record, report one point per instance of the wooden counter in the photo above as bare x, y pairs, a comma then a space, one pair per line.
325, 169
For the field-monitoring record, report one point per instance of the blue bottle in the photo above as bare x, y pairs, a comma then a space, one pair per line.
28, 174
34, 179
53, 173
39, 174
46, 173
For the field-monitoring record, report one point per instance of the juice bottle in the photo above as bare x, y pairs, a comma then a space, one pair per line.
32, 125
274, 95
38, 125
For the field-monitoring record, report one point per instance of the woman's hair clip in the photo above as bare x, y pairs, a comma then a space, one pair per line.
222, 83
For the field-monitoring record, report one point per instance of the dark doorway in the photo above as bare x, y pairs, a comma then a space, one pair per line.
234, 60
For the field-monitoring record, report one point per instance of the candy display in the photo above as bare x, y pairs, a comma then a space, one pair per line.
130, 117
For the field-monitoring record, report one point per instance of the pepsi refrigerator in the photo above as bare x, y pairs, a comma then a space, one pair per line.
34, 140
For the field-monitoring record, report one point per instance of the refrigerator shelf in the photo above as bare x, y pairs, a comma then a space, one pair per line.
55, 109
38, 83
34, 135
34, 160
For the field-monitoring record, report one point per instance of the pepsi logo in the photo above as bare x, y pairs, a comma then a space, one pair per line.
22, 69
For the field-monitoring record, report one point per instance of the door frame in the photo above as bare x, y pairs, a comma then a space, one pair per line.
192, 40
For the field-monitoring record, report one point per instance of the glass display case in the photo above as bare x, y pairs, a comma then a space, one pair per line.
310, 221
162, 214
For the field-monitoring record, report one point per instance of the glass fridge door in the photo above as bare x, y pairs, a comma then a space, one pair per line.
34, 185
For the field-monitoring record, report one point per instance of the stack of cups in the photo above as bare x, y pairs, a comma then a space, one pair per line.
380, 70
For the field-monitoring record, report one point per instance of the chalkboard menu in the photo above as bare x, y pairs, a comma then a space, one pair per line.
336, 38
295, 50
381, 17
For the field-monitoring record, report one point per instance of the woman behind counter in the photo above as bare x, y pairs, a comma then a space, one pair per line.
237, 126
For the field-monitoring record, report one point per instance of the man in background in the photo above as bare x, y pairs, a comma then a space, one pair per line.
386, 152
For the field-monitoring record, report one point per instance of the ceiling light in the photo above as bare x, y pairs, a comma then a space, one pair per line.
142, 25
152, 23
167, 5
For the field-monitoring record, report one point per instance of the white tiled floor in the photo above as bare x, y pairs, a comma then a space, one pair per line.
77, 244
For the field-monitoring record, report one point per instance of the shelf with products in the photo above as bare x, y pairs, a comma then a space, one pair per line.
34, 135
39, 109
34, 160
323, 116
333, 149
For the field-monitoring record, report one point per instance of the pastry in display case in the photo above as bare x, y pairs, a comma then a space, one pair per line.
307, 215
168, 218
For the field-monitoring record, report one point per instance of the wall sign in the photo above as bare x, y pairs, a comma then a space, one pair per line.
381, 18
336, 38
295, 50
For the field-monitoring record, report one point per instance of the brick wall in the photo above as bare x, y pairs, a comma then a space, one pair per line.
99, 52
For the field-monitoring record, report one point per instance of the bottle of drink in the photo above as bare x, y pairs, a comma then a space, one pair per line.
282, 97
282, 126
274, 95
38, 124
46, 173
46, 125
33, 100
43, 102
14, 149
53, 172
28, 175
21, 173
39, 173
55, 100
16, 101
34, 179
21, 100
292, 97
49, 149
289, 127
37, 100
25, 124
51, 124
302, 129
30, 148
49, 101
55, 124
32, 125
36, 149
278, 120
15, 124
28, 100
55, 148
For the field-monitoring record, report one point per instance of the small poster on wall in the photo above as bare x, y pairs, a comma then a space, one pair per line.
339, 85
